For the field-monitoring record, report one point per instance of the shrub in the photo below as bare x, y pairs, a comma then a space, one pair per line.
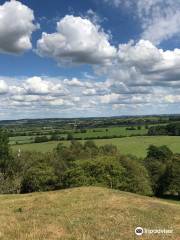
136, 178
10, 184
108, 149
174, 176
5, 154
39, 177
41, 139
64, 152
158, 162
105, 172
70, 136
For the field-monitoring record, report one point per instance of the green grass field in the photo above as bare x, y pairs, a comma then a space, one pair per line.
96, 132
117, 131
128, 145
87, 213
89, 133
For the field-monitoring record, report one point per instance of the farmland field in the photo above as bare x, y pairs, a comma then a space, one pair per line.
89, 133
117, 131
127, 145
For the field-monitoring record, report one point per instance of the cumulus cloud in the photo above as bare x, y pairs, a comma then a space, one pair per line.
172, 98
147, 59
3, 87
111, 98
141, 79
90, 92
77, 40
25, 98
80, 97
142, 74
73, 82
141, 54
16, 27
36, 85
42, 91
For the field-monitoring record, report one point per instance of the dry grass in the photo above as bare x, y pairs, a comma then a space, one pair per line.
88, 213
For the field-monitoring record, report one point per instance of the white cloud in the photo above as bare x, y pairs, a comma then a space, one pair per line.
141, 79
16, 27
113, 96
90, 92
74, 82
36, 85
93, 17
110, 98
57, 102
3, 87
77, 40
162, 26
172, 98
19, 90
160, 19
141, 54
25, 98
142, 75
149, 61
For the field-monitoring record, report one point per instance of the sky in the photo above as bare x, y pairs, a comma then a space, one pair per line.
90, 58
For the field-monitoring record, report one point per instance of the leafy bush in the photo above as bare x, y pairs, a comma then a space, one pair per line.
158, 163
102, 171
136, 178
10, 184
172, 129
174, 176
41, 139
40, 177
5, 153
108, 149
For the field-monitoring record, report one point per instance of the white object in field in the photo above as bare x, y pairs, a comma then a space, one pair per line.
19, 152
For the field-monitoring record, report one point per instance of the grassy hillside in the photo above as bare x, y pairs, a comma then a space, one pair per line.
127, 145
88, 213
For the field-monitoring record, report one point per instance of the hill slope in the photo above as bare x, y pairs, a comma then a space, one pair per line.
85, 213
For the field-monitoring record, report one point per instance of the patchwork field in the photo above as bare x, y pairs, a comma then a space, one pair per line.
127, 145
88, 133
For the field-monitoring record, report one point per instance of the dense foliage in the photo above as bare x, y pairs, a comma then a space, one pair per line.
172, 129
87, 164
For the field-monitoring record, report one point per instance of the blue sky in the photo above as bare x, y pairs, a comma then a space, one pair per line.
89, 58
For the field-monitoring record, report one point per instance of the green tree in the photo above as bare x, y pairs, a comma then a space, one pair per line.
162, 153
136, 178
5, 154
174, 176
55, 137
76, 148
157, 162
64, 153
70, 136
108, 149
91, 148
41, 139
40, 177
102, 171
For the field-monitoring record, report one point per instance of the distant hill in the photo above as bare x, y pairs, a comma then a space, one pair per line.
87, 213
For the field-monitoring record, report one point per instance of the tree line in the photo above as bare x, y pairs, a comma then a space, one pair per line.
172, 129
85, 164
